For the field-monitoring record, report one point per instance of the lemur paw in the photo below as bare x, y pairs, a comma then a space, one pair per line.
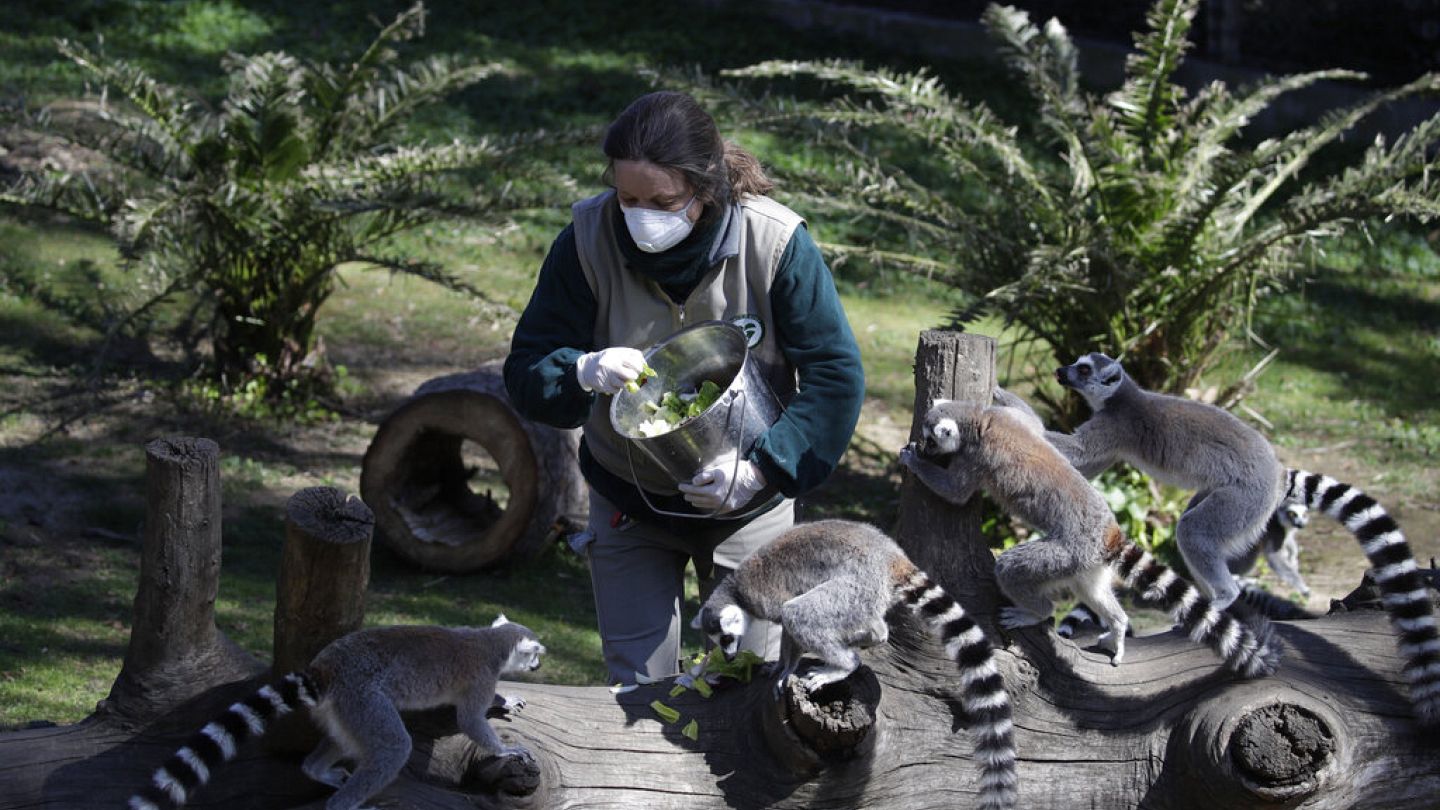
1013, 618
820, 678
334, 777
1113, 643
504, 706
908, 457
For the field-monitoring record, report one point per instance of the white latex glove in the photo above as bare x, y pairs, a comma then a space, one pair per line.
607, 370
710, 488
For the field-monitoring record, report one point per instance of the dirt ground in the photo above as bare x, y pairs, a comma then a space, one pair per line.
1330, 559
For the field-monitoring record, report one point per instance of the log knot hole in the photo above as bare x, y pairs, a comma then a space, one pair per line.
808, 730
1280, 750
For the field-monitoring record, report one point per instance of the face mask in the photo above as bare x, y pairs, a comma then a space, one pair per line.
655, 231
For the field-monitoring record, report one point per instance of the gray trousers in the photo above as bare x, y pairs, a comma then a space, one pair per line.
638, 573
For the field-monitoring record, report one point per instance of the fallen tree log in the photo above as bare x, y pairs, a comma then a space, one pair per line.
1166, 729
1169, 729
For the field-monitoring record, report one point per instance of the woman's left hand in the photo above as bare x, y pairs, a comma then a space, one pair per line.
711, 487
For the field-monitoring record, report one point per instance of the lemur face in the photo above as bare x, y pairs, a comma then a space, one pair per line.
724, 628
525, 657
948, 426
1295, 515
1094, 376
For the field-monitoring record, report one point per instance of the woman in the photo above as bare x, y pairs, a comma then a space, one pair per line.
684, 235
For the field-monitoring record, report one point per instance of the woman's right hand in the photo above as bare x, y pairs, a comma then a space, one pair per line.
607, 370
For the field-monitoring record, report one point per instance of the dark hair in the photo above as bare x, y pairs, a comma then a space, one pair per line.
672, 130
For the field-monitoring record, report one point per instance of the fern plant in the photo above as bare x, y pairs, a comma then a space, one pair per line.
253, 205
1139, 225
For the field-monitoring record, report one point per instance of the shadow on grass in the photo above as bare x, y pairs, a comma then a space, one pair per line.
1380, 335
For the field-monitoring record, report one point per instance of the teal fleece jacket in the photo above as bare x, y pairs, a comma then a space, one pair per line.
796, 454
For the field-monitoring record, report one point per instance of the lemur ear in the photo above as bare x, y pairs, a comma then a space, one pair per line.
499, 620
695, 623
937, 403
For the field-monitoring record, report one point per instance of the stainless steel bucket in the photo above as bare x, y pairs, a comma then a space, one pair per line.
746, 408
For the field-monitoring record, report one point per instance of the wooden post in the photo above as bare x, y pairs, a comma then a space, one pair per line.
941, 538
320, 592
324, 570
175, 649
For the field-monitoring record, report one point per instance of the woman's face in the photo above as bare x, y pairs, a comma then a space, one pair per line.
642, 184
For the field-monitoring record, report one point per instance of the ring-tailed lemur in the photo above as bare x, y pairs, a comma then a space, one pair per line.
1277, 543
829, 584
968, 447
1239, 483
355, 690
1282, 553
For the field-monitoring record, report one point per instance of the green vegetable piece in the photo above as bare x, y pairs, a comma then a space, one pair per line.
678, 690
692, 730
703, 688
666, 713
645, 373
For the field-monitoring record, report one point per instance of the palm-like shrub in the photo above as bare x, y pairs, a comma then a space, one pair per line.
254, 204
1140, 225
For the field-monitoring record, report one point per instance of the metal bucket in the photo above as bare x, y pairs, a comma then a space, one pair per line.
746, 408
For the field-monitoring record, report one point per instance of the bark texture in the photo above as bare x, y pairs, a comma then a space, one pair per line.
324, 570
175, 650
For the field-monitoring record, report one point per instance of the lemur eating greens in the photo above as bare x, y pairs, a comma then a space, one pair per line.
829, 584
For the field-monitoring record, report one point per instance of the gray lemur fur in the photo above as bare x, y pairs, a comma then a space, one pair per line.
355, 689
1239, 483
1001, 449
830, 584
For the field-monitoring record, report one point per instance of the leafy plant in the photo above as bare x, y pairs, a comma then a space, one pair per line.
1146, 510
254, 204
1140, 224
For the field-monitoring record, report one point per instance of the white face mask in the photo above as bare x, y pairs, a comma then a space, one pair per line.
656, 231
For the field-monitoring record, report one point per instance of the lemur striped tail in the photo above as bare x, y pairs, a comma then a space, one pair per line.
1270, 606
983, 692
1079, 616
1402, 590
189, 768
1246, 651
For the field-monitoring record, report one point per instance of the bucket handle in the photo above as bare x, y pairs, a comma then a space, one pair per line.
739, 444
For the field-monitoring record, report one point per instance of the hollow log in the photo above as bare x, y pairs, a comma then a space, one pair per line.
175, 649
415, 479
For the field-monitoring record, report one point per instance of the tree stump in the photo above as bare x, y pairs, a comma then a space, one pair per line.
415, 478
940, 537
324, 570
175, 650
320, 595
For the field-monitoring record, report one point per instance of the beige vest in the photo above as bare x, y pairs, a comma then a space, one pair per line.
632, 310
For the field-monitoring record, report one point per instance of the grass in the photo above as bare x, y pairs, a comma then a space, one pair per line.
1361, 347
